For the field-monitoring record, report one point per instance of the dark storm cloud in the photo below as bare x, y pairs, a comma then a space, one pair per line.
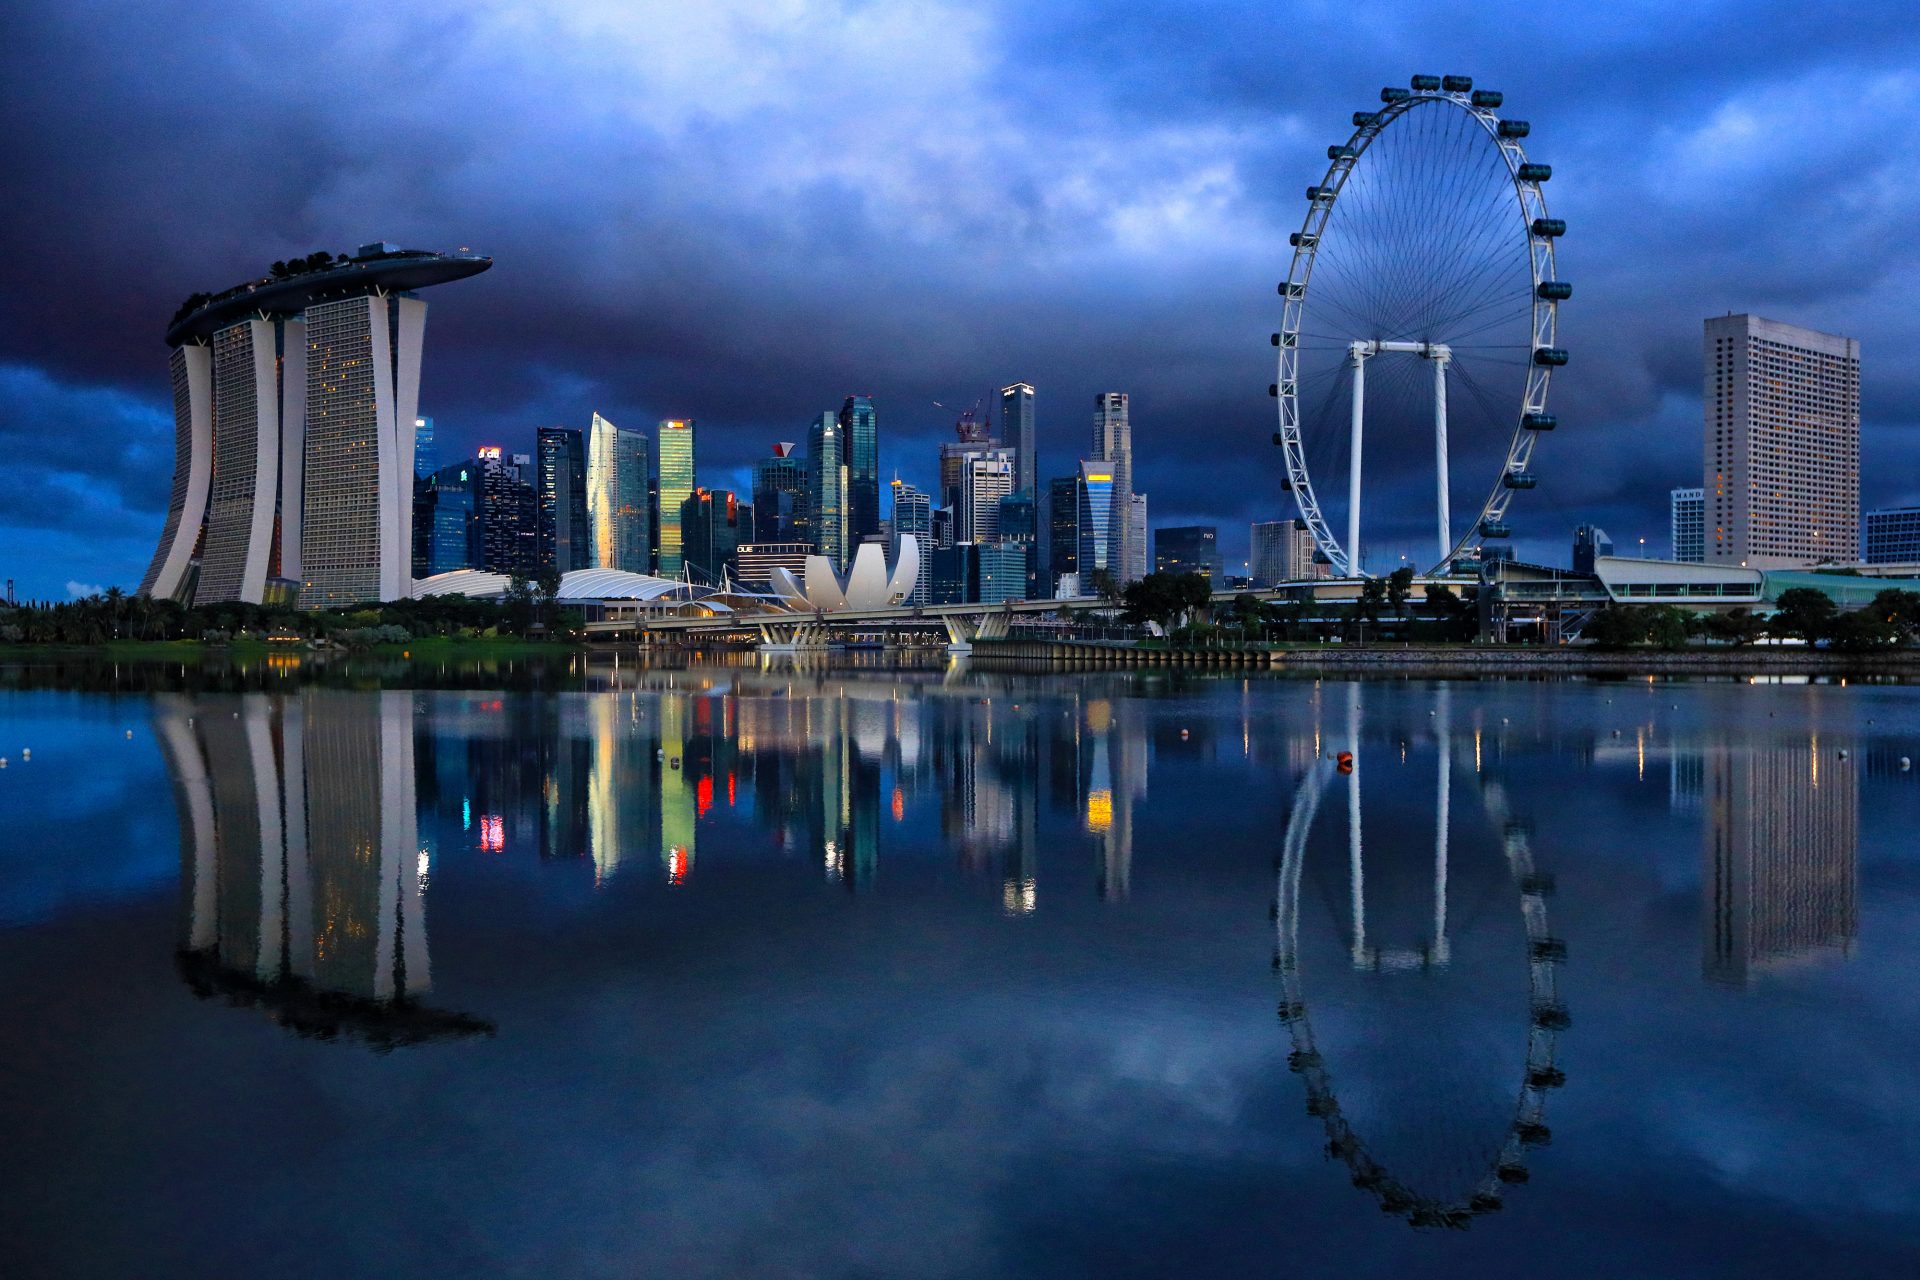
743, 213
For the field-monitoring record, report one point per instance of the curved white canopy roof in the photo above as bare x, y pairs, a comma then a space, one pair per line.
581, 584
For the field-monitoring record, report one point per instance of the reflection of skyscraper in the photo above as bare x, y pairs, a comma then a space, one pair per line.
677, 798
1782, 853
301, 863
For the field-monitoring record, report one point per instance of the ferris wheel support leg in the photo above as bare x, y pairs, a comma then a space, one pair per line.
1440, 450
1357, 353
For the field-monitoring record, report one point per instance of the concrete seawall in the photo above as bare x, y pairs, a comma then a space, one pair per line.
1453, 659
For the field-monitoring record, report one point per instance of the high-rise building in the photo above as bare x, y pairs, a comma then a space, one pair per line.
295, 399
1016, 428
1094, 524
1688, 517
1193, 548
985, 478
1590, 543
1137, 534
827, 489
998, 572
1782, 444
1113, 445
1892, 536
560, 494
1283, 551
860, 440
1267, 551
913, 514
677, 482
619, 499
780, 497
448, 532
713, 523
1017, 523
509, 529
1062, 533
426, 454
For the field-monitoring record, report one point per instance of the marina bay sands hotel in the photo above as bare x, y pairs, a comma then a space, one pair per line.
294, 400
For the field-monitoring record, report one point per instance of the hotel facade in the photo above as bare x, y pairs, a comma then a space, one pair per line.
295, 401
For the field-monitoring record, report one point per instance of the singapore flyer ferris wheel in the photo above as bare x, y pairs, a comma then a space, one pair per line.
1419, 320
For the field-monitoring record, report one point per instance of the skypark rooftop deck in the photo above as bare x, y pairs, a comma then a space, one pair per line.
373, 267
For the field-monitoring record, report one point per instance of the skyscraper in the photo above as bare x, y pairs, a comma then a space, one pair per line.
1016, 428
677, 481
985, 478
452, 526
860, 439
1113, 445
426, 454
1282, 551
1590, 542
713, 524
1782, 444
619, 508
1193, 548
827, 489
1094, 523
295, 399
913, 514
1137, 534
1017, 523
1063, 530
509, 530
1689, 524
561, 496
780, 497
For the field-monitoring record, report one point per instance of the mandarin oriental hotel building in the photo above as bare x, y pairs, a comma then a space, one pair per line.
294, 403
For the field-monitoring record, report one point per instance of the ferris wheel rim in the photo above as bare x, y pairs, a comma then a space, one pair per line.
1543, 318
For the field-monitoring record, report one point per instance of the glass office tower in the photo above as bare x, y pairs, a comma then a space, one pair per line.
677, 484
561, 497
619, 508
860, 440
780, 497
827, 489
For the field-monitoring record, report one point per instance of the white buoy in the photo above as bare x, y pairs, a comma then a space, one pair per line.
26, 754
129, 733
1905, 764
3, 762
1843, 753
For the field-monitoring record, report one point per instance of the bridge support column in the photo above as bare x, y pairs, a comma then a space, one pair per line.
961, 631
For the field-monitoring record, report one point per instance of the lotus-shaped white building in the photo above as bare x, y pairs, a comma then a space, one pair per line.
868, 584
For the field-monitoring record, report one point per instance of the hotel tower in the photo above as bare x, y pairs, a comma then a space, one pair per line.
294, 404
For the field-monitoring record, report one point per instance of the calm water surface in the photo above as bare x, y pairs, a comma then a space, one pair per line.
757, 971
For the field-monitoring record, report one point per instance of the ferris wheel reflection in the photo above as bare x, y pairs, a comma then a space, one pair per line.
1421, 1205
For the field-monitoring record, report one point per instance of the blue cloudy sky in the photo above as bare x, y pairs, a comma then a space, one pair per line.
744, 211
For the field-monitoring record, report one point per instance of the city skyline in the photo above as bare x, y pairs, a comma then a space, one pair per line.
1163, 286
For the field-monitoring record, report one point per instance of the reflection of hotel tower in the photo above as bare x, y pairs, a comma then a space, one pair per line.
1781, 843
300, 864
